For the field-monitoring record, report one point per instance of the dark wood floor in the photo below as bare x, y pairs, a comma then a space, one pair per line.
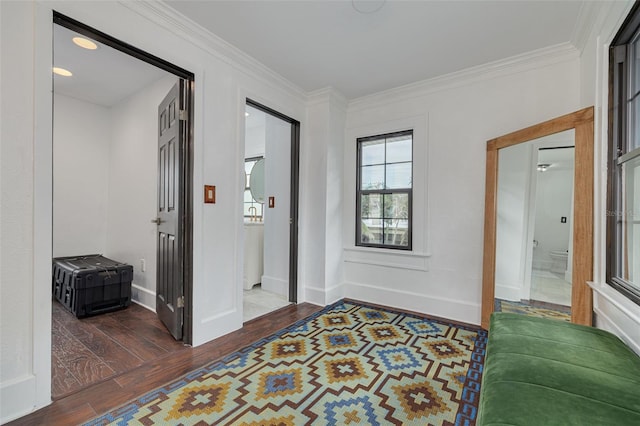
120, 388
89, 350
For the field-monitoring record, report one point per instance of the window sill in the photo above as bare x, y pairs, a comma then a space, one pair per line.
401, 259
617, 299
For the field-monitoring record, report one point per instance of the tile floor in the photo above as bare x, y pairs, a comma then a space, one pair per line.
549, 287
258, 302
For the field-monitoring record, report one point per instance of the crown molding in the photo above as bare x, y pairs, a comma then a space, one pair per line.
327, 95
588, 16
162, 14
515, 64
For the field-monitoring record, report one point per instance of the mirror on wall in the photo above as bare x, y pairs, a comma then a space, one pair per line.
256, 180
533, 226
538, 220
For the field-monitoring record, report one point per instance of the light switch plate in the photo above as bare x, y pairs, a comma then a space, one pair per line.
209, 194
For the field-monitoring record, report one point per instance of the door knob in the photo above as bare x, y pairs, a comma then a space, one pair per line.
157, 221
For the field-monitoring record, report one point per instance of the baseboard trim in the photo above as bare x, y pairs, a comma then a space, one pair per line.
323, 297
606, 308
143, 297
605, 322
441, 307
15, 397
218, 325
508, 292
275, 285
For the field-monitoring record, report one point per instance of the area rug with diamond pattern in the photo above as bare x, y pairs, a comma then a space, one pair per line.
349, 364
534, 309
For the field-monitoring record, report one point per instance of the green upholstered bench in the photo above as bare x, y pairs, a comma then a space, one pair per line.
550, 372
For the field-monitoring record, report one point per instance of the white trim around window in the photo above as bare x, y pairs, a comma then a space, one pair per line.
417, 257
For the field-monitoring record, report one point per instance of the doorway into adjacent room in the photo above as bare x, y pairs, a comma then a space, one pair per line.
122, 172
270, 210
553, 211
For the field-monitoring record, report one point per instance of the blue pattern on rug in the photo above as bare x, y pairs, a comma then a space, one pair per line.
349, 363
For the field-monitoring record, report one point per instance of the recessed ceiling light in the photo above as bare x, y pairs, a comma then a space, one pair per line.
367, 6
62, 72
246, 114
85, 43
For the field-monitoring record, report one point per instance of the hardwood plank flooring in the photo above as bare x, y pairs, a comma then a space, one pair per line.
85, 366
112, 392
89, 350
61, 378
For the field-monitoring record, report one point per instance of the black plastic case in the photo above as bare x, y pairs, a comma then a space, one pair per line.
91, 284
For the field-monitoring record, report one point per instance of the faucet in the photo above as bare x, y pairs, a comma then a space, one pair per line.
255, 212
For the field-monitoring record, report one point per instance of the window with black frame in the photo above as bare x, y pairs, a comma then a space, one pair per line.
384, 190
623, 198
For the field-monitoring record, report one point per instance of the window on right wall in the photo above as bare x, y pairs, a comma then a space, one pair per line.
623, 189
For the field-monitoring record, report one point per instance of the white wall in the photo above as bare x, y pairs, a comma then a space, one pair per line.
21, 386
313, 198
133, 188
321, 261
81, 137
105, 181
443, 275
334, 175
554, 192
254, 136
26, 209
276, 220
514, 180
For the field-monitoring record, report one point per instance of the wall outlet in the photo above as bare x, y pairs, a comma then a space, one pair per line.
143, 265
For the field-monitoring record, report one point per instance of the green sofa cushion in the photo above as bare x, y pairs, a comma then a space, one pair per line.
549, 372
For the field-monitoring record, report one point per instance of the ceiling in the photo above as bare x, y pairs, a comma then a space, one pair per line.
316, 44
557, 158
104, 76
558, 150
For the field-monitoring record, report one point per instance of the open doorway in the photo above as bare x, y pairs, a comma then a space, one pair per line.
552, 238
270, 210
107, 186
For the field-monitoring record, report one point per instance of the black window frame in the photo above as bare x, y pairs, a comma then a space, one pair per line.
621, 151
382, 192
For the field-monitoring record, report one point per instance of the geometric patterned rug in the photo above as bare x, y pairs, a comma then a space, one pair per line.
349, 364
535, 309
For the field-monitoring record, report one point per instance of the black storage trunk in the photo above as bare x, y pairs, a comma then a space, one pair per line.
92, 284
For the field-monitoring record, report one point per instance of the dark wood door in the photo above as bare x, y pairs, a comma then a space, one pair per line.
170, 259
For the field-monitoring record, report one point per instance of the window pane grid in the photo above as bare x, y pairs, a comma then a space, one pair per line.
384, 191
390, 163
623, 208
